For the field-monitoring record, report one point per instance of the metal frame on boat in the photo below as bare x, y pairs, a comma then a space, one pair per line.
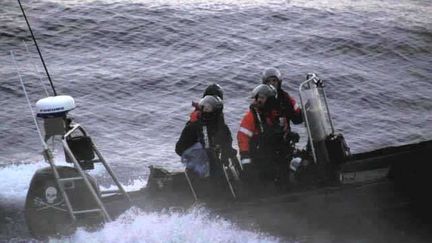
80, 193
312, 97
78, 166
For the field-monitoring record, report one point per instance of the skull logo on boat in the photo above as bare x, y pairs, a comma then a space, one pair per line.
51, 194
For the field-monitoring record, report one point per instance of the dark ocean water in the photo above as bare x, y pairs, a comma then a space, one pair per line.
134, 67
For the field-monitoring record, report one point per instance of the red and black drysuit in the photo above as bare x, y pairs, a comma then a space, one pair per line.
288, 109
218, 145
285, 107
262, 136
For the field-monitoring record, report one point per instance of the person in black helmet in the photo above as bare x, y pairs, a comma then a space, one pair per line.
211, 133
287, 107
260, 136
213, 89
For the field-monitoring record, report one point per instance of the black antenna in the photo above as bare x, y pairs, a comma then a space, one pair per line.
37, 47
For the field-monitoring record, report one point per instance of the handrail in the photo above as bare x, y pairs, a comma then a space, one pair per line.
101, 158
96, 150
81, 172
74, 127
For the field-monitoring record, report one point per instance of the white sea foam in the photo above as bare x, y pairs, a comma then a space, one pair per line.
196, 225
134, 225
133, 185
15, 180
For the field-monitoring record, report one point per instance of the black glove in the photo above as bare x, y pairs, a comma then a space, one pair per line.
293, 137
232, 152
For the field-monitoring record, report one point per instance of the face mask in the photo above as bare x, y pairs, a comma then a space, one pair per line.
260, 101
207, 117
272, 81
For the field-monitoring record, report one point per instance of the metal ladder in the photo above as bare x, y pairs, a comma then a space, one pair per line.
82, 176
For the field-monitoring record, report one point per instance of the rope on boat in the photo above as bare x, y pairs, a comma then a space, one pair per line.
37, 71
28, 101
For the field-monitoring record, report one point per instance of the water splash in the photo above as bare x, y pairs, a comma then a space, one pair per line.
135, 225
133, 185
196, 225
15, 180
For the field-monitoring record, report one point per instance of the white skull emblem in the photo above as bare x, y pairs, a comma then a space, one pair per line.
160, 183
51, 194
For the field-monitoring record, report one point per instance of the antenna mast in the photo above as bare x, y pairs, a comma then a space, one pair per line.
37, 47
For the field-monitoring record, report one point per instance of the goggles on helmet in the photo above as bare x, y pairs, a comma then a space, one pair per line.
210, 103
264, 90
271, 80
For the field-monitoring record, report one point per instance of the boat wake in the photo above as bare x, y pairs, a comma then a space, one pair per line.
15, 181
134, 225
195, 225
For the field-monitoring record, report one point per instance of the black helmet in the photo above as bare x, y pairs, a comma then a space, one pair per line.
272, 73
264, 89
214, 89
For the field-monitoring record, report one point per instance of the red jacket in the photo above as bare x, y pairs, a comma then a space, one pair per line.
250, 129
287, 110
195, 114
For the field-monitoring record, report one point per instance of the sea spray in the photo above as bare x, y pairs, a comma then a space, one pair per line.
195, 225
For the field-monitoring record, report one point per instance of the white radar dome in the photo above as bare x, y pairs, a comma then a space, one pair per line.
54, 105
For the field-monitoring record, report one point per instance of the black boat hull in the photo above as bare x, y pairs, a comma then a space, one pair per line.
383, 188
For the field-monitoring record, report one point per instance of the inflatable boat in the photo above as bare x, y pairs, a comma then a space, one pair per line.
62, 198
